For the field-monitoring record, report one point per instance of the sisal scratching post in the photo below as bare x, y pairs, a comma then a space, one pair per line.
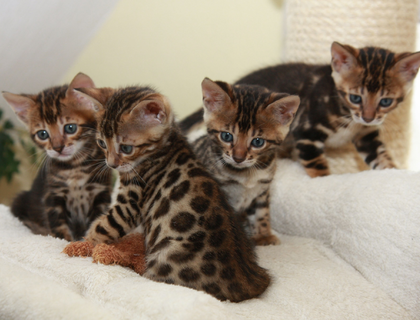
312, 25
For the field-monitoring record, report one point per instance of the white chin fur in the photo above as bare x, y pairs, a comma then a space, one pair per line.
65, 155
124, 168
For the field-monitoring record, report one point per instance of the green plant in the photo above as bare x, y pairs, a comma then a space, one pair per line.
9, 165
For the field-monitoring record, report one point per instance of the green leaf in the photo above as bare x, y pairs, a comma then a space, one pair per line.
8, 125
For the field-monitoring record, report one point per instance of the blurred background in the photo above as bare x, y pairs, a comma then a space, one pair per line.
171, 45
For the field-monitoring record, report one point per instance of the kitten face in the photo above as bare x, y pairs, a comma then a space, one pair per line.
131, 123
54, 119
246, 122
372, 81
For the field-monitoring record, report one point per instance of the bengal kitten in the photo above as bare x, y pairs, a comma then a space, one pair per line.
71, 189
345, 101
245, 128
191, 236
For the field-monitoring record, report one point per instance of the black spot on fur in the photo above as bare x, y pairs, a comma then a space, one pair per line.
197, 237
208, 269
181, 257
179, 191
197, 172
209, 256
133, 195
207, 188
163, 208
183, 158
211, 288
161, 244
173, 177
183, 222
155, 235
164, 270
193, 246
227, 273
223, 256
188, 275
213, 222
200, 204
216, 238
151, 263
121, 199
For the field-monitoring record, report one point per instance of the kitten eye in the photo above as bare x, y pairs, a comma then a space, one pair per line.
126, 149
101, 143
354, 98
42, 134
386, 102
70, 128
257, 142
226, 136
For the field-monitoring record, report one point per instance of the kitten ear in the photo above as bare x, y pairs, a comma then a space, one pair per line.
283, 110
150, 112
79, 81
214, 97
408, 66
20, 104
343, 58
92, 98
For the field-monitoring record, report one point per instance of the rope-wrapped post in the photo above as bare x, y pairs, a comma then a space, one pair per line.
312, 25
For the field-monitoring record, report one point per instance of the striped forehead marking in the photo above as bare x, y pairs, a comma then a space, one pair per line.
375, 62
120, 102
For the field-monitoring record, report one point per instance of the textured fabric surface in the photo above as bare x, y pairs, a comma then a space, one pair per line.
37, 281
312, 25
371, 219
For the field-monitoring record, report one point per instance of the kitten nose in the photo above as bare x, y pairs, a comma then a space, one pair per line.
113, 165
58, 148
238, 159
368, 119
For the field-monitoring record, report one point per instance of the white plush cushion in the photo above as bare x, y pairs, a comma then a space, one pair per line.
371, 219
310, 281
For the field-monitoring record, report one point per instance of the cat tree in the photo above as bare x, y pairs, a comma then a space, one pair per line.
312, 25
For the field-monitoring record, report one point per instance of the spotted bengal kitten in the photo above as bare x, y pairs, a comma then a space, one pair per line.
191, 236
71, 189
245, 128
345, 101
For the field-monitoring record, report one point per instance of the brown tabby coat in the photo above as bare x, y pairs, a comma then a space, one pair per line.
254, 121
71, 190
345, 101
191, 236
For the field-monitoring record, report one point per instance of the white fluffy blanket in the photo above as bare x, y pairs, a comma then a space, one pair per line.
370, 219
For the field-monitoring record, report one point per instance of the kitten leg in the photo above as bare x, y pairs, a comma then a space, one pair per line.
311, 154
117, 222
259, 214
373, 151
57, 213
100, 205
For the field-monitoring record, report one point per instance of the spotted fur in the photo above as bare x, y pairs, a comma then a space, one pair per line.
245, 171
71, 189
191, 236
342, 102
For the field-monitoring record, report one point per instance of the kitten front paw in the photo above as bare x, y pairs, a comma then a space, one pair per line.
267, 240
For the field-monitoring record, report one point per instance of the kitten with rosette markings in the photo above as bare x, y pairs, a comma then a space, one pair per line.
344, 101
71, 189
191, 236
246, 126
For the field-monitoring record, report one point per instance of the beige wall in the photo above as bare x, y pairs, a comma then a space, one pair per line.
173, 45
